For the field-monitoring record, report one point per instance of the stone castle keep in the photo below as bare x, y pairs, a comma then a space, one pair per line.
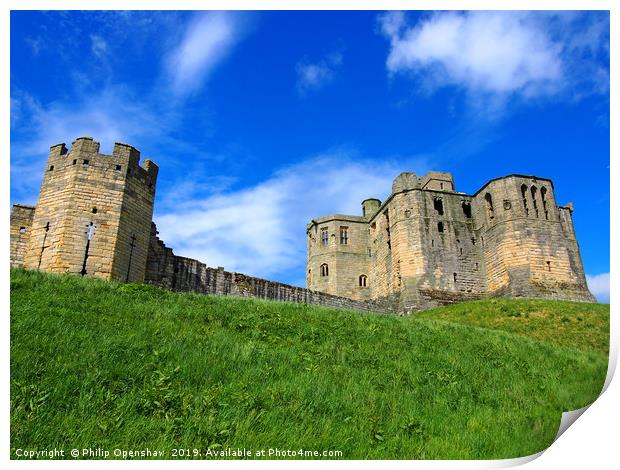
425, 245
428, 244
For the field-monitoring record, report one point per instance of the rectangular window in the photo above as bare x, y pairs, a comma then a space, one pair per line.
324, 236
344, 235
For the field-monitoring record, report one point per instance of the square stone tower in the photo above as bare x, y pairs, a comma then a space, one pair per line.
93, 216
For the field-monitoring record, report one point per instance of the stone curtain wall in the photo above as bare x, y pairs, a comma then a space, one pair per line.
178, 273
21, 224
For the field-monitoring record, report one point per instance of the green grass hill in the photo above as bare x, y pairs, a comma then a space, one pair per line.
98, 364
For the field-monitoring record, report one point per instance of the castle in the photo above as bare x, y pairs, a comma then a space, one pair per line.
424, 246
428, 244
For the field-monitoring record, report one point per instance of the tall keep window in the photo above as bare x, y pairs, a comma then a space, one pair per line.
363, 280
543, 196
524, 199
438, 205
324, 270
324, 236
490, 209
466, 209
344, 235
534, 191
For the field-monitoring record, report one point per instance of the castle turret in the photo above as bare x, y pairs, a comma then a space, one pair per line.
94, 212
370, 207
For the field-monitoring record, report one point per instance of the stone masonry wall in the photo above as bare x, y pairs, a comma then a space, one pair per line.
189, 275
21, 223
529, 251
426, 245
346, 262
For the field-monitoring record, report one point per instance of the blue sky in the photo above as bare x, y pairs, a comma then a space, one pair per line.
260, 121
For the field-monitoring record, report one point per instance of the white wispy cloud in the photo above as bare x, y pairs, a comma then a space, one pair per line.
114, 114
208, 40
599, 286
97, 105
495, 53
98, 46
35, 43
315, 75
260, 230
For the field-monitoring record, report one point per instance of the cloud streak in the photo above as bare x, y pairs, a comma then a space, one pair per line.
207, 41
98, 106
260, 230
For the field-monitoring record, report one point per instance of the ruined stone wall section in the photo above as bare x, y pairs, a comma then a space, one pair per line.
189, 275
20, 226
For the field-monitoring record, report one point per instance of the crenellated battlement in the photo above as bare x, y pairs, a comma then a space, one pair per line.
85, 156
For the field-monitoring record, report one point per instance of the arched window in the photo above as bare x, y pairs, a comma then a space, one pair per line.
324, 270
543, 196
524, 199
534, 190
489, 201
440, 227
363, 280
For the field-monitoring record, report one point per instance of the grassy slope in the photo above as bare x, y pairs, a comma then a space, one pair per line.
101, 364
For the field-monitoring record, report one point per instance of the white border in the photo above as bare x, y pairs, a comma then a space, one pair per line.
591, 442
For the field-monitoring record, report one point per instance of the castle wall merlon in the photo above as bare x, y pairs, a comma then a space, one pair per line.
438, 180
151, 168
58, 150
85, 145
126, 151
